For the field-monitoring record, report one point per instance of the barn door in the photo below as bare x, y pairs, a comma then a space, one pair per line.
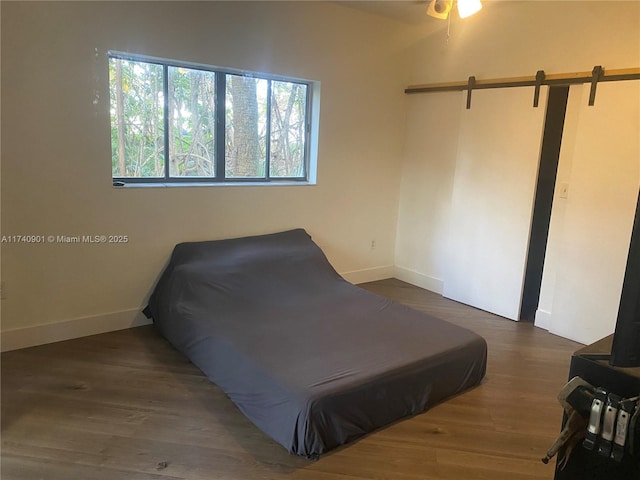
591, 225
492, 200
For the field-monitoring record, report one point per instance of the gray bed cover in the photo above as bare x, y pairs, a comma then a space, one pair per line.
309, 358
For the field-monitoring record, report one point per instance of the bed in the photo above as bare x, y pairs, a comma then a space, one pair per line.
310, 359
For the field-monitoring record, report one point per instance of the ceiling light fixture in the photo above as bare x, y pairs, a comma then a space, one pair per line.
466, 8
442, 8
439, 8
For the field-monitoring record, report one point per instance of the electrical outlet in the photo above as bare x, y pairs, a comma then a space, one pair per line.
564, 190
373, 244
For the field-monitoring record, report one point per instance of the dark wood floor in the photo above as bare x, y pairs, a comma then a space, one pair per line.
125, 405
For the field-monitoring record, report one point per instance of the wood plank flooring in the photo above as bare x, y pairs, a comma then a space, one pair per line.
126, 405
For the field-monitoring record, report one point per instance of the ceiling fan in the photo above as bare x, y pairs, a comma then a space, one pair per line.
442, 8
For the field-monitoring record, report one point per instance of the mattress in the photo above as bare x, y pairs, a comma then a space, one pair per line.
310, 359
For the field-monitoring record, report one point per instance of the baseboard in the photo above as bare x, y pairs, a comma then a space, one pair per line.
543, 319
368, 274
419, 279
69, 329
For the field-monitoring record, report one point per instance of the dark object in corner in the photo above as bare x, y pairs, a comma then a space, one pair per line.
591, 364
626, 341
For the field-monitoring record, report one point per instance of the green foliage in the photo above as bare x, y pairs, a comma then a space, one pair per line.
137, 118
288, 107
191, 122
262, 118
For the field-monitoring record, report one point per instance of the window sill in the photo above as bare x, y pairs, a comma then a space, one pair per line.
214, 184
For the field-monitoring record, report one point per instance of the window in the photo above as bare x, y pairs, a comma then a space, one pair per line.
176, 123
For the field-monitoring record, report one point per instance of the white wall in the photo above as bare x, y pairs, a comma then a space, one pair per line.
56, 173
518, 37
507, 38
428, 170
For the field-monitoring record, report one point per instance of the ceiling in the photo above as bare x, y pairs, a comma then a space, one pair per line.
415, 11
408, 11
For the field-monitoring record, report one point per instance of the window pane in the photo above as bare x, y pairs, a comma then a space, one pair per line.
288, 130
137, 125
191, 122
246, 124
